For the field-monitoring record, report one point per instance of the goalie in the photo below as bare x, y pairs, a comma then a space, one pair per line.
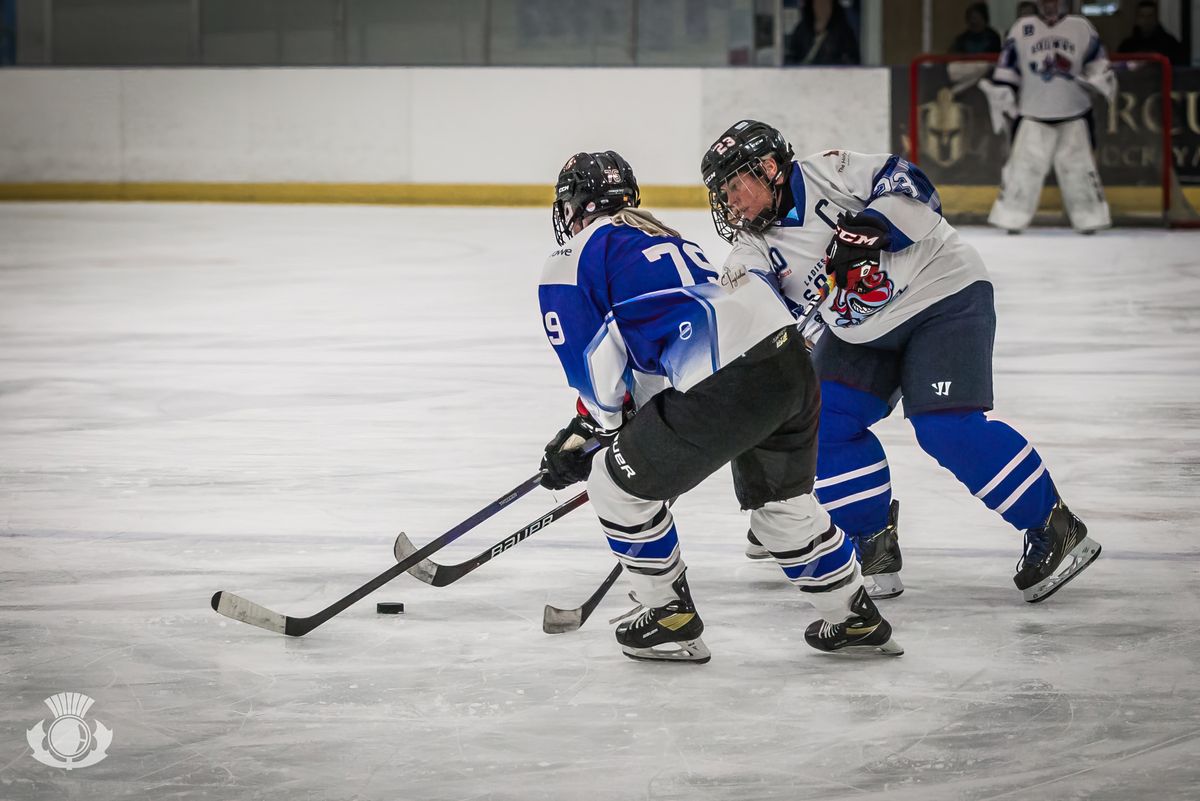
1050, 67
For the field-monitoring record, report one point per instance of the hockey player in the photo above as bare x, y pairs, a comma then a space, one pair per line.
630, 307
909, 313
1054, 64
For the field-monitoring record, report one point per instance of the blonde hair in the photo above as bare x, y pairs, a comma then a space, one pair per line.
642, 220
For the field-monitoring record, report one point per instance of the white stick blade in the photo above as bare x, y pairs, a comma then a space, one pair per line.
423, 570
238, 608
560, 621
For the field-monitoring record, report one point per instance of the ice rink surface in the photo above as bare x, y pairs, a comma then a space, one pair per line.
257, 398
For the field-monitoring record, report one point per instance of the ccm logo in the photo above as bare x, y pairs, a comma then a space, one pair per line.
522, 534
851, 238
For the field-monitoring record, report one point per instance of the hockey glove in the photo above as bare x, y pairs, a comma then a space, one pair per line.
853, 253
568, 459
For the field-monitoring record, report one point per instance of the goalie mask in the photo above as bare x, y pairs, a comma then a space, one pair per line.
735, 161
1051, 11
589, 184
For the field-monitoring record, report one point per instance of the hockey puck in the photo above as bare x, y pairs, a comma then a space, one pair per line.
389, 608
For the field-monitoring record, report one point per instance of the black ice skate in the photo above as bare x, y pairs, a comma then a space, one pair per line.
1054, 554
864, 629
670, 633
879, 554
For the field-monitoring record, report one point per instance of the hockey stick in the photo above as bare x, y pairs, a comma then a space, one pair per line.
560, 621
238, 608
437, 575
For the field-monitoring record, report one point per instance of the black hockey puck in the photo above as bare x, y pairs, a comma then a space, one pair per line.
389, 609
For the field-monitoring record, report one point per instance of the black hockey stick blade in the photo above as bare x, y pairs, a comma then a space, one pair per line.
560, 621
426, 570
240, 609
437, 575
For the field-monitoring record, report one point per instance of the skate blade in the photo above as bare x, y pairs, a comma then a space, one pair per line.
1076, 562
889, 648
682, 651
882, 586
757, 552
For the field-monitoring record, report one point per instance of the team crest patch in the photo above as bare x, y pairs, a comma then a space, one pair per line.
851, 308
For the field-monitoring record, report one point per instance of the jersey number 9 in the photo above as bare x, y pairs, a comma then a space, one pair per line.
554, 328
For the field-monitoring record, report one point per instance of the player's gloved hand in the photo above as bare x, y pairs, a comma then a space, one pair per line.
853, 253
568, 459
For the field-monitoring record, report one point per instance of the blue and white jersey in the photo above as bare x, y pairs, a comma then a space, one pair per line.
621, 306
925, 262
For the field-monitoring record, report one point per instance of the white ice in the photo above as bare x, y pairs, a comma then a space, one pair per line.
256, 399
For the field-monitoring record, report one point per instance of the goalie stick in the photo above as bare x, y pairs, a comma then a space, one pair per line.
238, 608
438, 575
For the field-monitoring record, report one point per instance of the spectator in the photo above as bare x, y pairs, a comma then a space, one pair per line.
1149, 36
8, 32
1026, 8
823, 36
979, 37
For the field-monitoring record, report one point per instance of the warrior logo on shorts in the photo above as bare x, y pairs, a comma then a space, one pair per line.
69, 742
875, 292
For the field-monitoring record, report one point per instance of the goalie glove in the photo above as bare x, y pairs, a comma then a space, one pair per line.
1002, 103
1101, 80
853, 253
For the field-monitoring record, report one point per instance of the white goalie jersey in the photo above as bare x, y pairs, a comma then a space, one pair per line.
1054, 68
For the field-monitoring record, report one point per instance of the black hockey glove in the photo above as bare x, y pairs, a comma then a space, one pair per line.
568, 459
853, 254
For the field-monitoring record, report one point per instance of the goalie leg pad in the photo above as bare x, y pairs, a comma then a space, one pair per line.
1078, 178
1023, 175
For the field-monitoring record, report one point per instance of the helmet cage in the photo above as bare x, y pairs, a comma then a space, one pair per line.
729, 221
740, 152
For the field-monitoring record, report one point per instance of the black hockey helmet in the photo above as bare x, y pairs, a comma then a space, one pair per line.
741, 149
591, 183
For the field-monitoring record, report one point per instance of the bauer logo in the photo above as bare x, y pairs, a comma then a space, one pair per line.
522, 535
69, 742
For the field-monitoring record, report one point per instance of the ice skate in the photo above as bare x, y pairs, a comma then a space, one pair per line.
864, 629
754, 548
666, 633
879, 554
1054, 554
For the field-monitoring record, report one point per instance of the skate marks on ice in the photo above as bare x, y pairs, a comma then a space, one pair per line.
259, 398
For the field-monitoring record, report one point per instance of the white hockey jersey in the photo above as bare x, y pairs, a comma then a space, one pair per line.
925, 262
1051, 67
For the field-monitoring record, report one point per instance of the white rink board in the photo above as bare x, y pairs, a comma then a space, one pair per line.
257, 398
394, 125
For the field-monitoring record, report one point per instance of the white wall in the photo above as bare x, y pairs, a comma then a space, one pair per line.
396, 125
